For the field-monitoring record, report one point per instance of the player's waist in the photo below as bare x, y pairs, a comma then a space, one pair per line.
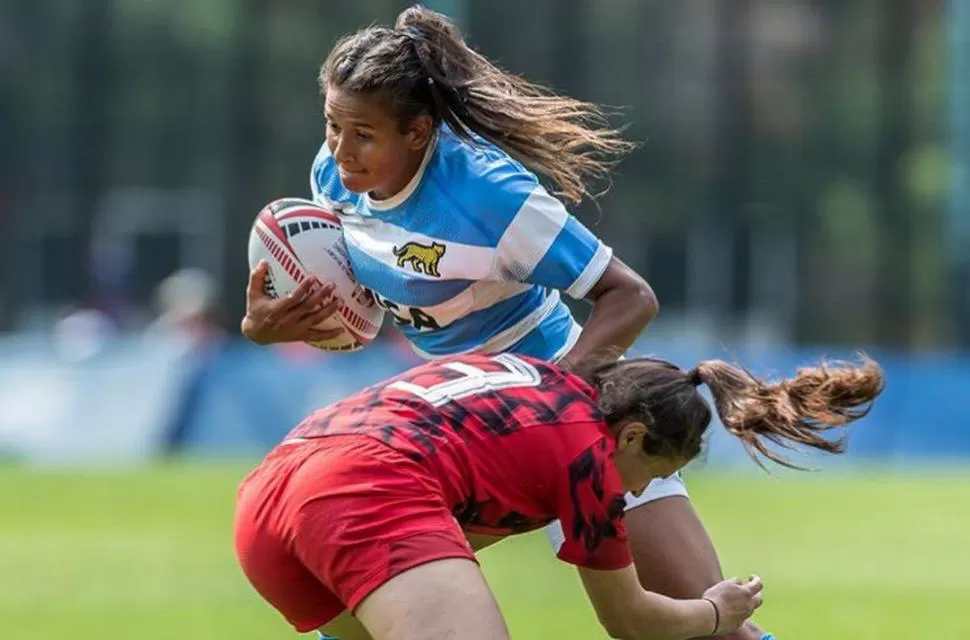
544, 327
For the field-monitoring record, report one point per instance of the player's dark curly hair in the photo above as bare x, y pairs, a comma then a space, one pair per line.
791, 413
423, 66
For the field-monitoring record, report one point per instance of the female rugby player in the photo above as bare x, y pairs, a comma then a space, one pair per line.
364, 506
431, 159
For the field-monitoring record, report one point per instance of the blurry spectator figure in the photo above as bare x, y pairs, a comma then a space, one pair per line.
82, 333
186, 305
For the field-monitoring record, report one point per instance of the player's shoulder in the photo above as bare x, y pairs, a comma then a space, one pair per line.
480, 177
534, 380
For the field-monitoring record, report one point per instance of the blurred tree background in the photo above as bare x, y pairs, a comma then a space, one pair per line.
793, 183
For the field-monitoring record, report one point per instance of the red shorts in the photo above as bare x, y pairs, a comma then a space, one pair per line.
322, 523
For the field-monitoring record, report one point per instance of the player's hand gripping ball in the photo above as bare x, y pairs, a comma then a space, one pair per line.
302, 287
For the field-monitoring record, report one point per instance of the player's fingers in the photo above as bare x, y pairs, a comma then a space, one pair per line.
257, 281
319, 296
328, 309
299, 294
312, 317
302, 318
757, 601
755, 584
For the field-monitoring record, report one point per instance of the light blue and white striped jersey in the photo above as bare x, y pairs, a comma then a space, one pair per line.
472, 254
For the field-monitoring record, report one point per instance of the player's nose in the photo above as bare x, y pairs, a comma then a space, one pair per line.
343, 152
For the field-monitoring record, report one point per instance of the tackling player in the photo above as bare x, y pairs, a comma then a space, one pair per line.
364, 506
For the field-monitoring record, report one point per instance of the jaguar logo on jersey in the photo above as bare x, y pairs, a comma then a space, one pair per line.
422, 258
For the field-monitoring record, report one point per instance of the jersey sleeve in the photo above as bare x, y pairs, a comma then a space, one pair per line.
591, 512
325, 185
543, 244
317, 170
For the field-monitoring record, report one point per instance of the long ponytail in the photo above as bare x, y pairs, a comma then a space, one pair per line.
792, 413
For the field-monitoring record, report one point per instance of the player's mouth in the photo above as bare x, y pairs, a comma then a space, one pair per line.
344, 171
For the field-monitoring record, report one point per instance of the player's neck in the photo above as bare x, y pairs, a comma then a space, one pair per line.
405, 186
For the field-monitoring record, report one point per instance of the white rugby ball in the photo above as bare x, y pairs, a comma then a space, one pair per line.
299, 238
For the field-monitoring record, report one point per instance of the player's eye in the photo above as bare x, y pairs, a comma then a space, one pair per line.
362, 135
333, 126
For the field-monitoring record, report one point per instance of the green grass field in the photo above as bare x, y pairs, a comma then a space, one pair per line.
147, 555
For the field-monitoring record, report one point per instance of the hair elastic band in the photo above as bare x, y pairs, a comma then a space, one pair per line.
694, 376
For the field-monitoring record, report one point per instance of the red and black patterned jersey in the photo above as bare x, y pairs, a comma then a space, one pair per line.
514, 443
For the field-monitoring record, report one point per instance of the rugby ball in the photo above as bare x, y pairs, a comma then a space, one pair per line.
299, 238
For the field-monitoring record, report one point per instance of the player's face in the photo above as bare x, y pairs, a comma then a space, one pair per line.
373, 154
635, 467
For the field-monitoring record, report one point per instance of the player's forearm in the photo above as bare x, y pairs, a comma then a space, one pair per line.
658, 617
619, 316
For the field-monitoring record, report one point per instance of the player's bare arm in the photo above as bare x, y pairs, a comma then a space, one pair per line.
623, 305
626, 610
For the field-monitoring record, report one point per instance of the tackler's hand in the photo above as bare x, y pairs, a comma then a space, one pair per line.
733, 602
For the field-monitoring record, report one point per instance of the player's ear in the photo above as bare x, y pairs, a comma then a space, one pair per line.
630, 437
419, 131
